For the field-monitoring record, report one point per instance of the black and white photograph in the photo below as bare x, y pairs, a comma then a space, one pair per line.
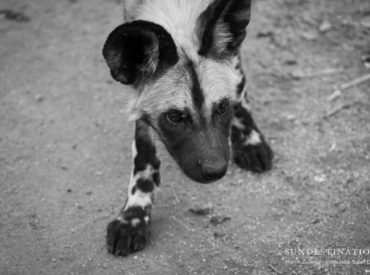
175, 137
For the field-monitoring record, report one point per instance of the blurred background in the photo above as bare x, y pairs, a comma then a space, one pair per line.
65, 142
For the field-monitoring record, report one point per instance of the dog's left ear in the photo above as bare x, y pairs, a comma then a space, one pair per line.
222, 27
139, 50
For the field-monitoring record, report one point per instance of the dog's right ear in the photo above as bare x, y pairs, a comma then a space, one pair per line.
138, 51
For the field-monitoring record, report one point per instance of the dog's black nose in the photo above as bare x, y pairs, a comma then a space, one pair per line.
212, 170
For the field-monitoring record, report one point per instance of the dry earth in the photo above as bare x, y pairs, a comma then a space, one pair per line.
65, 148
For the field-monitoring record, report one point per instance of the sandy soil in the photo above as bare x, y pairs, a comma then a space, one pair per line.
65, 148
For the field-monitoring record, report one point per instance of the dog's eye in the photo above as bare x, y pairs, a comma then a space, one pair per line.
223, 107
176, 116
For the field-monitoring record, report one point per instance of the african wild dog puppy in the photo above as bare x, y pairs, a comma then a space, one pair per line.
182, 59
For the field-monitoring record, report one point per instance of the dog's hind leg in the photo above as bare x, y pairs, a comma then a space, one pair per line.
250, 149
130, 231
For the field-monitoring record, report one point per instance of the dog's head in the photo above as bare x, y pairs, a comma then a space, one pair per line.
185, 80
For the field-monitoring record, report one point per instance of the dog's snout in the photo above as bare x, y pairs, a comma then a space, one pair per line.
212, 170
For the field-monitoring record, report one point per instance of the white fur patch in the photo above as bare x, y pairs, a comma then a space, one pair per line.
172, 90
139, 199
253, 139
135, 222
131, 8
237, 123
222, 36
153, 54
132, 180
147, 173
179, 18
133, 150
235, 61
121, 219
244, 102
218, 80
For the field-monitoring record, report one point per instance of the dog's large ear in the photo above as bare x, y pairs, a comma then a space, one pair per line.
138, 51
222, 27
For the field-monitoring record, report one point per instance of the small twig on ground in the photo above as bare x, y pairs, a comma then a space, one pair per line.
325, 72
337, 92
187, 228
301, 74
174, 193
355, 82
274, 269
338, 109
334, 95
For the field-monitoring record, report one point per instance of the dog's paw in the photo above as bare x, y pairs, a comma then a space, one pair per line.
129, 232
254, 156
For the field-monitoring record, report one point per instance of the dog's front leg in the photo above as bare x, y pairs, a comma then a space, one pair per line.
250, 149
130, 231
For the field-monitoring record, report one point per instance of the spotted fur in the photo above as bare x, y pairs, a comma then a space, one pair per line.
181, 58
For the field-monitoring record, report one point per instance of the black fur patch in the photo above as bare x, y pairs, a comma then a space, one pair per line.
240, 86
131, 49
145, 185
246, 119
243, 114
196, 90
156, 178
146, 152
134, 212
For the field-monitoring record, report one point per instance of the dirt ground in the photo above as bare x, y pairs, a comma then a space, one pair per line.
65, 154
